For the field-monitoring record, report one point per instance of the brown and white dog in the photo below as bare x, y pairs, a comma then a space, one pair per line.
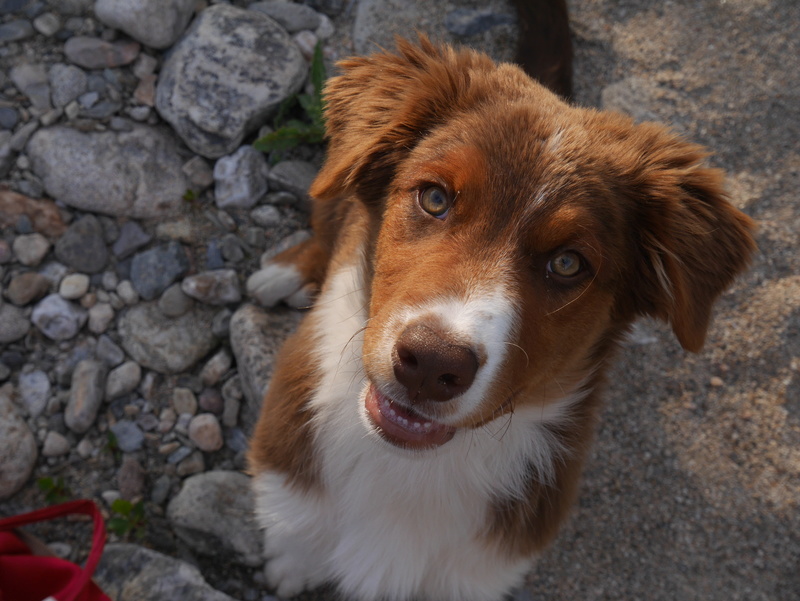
480, 248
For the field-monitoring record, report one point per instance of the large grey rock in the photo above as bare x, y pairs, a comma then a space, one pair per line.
164, 344
132, 573
155, 23
230, 70
256, 337
18, 451
85, 395
213, 514
132, 174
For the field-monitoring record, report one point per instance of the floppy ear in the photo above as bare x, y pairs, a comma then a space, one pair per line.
692, 241
382, 105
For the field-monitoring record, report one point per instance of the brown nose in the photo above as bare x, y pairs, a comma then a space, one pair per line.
430, 367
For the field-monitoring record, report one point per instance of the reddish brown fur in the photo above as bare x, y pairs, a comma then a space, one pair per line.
532, 176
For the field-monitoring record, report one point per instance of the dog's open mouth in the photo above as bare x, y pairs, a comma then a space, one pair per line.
402, 426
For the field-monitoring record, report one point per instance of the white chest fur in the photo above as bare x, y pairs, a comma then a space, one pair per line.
394, 524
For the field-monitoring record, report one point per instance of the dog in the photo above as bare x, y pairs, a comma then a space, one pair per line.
480, 248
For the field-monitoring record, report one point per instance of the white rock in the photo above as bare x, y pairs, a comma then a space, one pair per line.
123, 380
74, 286
100, 317
34, 391
30, 249
55, 445
155, 23
57, 318
240, 179
206, 433
218, 287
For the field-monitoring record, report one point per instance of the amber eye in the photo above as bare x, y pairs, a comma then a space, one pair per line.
566, 265
435, 201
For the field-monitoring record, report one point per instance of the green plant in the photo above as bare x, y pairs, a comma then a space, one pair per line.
129, 519
55, 491
112, 446
292, 132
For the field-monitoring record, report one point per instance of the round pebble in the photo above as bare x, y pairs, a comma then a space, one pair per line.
30, 249
206, 433
55, 445
184, 401
74, 286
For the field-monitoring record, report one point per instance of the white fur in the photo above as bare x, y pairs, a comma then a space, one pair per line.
391, 524
482, 321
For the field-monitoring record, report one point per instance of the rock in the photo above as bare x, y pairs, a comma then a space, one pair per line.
43, 214
292, 17
131, 238
634, 96
174, 302
55, 445
47, 24
216, 367
231, 248
200, 174
100, 317
9, 117
13, 323
26, 288
240, 178
123, 380
5, 252
85, 395
294, 177
163, 344
129, 437
67, 82
266, 216
127, 293
467, 21
18, 453
218, 287
210, 400
184, 401
108, 352
34, 391
230, 70
256, 337
30, 249
58, 319
206, 433
213, 514
31, 80
83, 246
193, 464
307, 43
130, 478
74, 286
155, 23
132, 573
94, 53
152, 271
14, 31
125, 174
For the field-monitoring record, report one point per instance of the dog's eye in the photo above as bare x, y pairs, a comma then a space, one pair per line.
566, 264
435, 201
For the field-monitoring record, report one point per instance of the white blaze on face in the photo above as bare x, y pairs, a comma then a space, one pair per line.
483, 319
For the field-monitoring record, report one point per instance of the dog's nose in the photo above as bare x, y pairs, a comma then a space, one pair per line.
430, 367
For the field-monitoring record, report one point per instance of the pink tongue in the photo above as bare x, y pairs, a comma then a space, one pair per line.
403, 427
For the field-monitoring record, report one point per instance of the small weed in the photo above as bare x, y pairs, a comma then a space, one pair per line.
112, 446
55, 491
291, 132
190, 195
129, 519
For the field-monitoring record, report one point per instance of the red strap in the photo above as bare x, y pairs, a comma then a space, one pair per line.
82, 506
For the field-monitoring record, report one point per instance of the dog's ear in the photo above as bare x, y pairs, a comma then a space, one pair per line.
691, 241
382, 105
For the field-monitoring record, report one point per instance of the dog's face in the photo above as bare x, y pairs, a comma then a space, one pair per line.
518, 237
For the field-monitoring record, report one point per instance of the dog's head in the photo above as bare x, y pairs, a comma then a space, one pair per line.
518, 236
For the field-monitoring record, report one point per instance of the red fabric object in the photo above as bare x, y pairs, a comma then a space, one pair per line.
28, 577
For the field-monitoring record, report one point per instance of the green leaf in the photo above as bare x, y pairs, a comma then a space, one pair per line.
122, 506
45, 483
118, 526
317, 70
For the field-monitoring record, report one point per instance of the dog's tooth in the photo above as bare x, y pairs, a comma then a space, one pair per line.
427, 425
